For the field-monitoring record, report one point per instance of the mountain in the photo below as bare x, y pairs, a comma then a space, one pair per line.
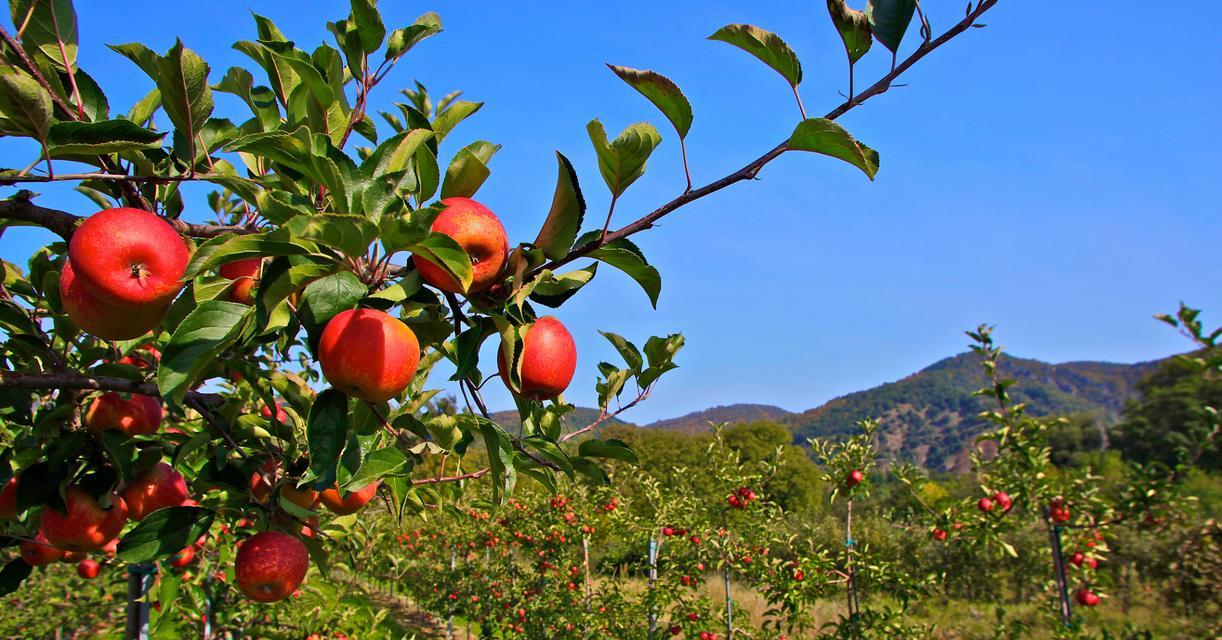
698, 421
930, 417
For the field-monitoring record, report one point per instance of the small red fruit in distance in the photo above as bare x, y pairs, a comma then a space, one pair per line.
270, 566
88, 569
480, 233
1003, 500
854, 478
1077, 559
676, 630
135, 416
1092, 563
38, 552
8, 499
548, 359
129, 257
368, 354
1086, 598
85, 526
182, 558
245, 275
352, 502
1058, 510
985, 505
668, 531
154, 489
939, 534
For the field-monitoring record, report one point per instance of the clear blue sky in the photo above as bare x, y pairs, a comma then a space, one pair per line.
1056, 174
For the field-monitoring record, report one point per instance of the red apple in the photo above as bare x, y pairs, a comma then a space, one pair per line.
182, 558
39, 551
854, 478
305, 498
1092, 563
8, 499
102, 319
136, 416
1077, 559
351, 503
1058, 510
270, 566
88, 569
548, 360
154, 489
985, 505
1003, 500
368, 354
282, 416
480, 233
245, 275
85, 525
1086, 598
128, 257
939, 534
263, 479
142, 357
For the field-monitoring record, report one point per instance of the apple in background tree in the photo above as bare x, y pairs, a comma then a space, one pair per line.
39, 551
1058, 511
245, 276
985, 505
548, 359
939, 535
135, 416
854, 478
480, 233
1003, 500
8, 499
88, 569
85, 525
368, 354
1086, 598
182, 558
354, 501
154, 489
270, 566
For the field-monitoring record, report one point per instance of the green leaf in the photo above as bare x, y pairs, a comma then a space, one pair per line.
369, 24
164, 533
230, 247
590, 469
824, 136
662, 92
280, 279
458, 111
500, 459
260, 100
182, 77
13, 574
553, 290
622, 160
47, 25
889, 20
377, 465
326, 297
854, 28
326, 433
627, 350
468, 171
627, 257
614, 449
207, 331
444, 252
100, 138
402, 40
400, 232
144, 57
765, 45
661, 351
24, 103
351, 234
567, 213
395, 154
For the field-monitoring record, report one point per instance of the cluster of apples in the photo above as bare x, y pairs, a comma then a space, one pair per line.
371, 355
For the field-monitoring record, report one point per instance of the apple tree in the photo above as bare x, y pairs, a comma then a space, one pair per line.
169, 383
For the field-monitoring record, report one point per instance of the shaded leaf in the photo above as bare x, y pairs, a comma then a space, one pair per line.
326, 433
207, 331
164, 533
627, 257
889, 20
765, 45
24, 103
47, 24
351, 234
854, 28
100, 138
622, 160
824, 136
662, 92
566, 215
